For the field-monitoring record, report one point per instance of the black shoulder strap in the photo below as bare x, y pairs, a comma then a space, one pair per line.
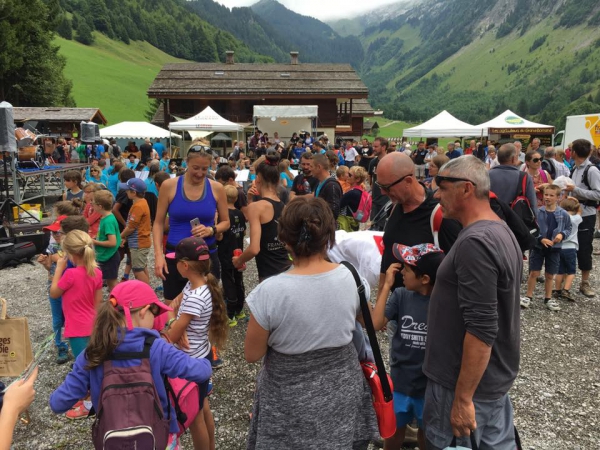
144, 354
366, 313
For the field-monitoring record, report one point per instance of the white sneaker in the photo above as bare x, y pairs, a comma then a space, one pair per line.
525, 302
553, 305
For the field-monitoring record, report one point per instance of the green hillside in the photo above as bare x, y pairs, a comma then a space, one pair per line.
113, 76
538, 58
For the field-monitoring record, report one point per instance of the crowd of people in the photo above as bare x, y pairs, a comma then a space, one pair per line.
448, 293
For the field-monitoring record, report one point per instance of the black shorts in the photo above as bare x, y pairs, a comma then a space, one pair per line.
110, 267
585, 237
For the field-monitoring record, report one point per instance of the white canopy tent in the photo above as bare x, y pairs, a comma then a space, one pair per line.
285, 119
136, 130
207, 121
509, 123
443, 125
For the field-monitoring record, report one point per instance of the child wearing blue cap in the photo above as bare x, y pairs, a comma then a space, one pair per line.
138, 228
408, 306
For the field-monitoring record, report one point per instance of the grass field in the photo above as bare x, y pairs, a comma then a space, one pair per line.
113, 76
389, 128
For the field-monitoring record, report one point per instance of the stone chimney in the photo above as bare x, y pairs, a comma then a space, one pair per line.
294, 56
229, 56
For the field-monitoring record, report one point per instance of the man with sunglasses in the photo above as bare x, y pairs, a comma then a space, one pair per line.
381, 147
473, 342
506, 180
411, 217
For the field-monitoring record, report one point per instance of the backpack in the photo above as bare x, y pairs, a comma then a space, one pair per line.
130, 389
525, 238
584, 180
185, 397
549, 167
522, 207
363, 212
11, 255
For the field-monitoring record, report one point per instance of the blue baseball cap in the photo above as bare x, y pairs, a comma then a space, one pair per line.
134, 184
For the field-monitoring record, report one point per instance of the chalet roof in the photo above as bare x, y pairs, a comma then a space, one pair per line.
362, 107
213, 79
370, 125
58, 114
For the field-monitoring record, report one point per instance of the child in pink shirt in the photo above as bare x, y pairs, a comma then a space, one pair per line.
81, 292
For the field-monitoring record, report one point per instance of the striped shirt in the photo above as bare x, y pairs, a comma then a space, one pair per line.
197, 303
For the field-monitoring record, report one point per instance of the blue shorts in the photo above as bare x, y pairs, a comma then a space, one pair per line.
408, 408
568, 261
549, 258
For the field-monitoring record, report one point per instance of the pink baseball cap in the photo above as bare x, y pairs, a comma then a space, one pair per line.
135, 294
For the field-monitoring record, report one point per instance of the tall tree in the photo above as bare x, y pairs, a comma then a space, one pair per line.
31, 70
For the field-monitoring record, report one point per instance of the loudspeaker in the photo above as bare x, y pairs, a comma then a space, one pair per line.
8, 142
90, 133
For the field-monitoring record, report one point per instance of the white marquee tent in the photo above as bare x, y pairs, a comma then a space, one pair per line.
207, 120
508, 123
285, 119
136, 130
443, 125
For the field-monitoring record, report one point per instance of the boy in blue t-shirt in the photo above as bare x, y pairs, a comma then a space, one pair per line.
408, 306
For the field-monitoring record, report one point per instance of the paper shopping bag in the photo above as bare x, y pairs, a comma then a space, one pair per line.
15, 344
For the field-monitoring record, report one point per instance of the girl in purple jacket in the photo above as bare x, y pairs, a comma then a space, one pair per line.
122, 325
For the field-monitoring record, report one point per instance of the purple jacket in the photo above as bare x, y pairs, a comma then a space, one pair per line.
164, 360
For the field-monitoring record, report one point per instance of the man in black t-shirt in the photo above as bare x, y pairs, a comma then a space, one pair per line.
366, 154
146, 151
380, 149
410, 220
304, 183
418, 157
328, 188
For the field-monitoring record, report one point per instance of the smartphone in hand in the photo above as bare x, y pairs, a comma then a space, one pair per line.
195, 222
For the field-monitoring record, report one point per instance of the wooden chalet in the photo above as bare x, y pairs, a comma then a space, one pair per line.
56, 121
371, 128
233, 89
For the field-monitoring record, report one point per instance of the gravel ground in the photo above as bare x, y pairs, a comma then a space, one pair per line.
556, 396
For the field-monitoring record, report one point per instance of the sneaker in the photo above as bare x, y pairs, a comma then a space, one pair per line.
556, 293
552, 305
241, 315
586, 289
63, 355
525, 302
215, 361
232, 322
567, 295
210, 387
79, 411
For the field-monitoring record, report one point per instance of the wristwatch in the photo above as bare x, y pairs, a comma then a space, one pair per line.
214, 229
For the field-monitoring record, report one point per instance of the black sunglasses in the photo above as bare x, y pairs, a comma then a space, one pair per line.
440, 178
387, 187
536, 160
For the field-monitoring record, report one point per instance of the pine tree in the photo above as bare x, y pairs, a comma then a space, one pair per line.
65, 30
27, 34
84, 33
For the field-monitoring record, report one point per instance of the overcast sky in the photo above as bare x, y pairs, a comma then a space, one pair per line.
321, 9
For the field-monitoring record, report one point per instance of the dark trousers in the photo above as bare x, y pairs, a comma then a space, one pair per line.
233, 288
585, 237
